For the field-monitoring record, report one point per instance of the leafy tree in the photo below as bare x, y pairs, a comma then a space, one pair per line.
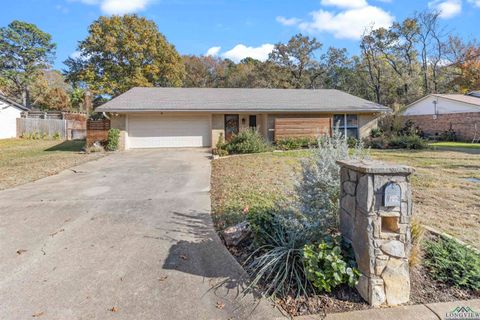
121, 52
298, 58
50, 92
77, 97
25, 50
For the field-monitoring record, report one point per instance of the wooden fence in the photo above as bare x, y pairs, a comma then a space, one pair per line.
97, 130
302, 127
65, 129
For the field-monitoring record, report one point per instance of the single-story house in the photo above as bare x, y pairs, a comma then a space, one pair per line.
9, 112
437, 113
196, 117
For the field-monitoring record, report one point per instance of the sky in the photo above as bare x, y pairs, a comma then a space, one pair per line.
236, 29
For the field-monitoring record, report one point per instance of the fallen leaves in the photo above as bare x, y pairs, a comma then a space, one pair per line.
162, 278
113, 309
20, 251
220, 305
183, 257
56, 232
38, 314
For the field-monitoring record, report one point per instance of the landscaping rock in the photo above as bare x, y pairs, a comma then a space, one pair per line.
236, 234
394, 248
397, 281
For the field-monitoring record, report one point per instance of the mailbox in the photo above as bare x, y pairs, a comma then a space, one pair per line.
392, 196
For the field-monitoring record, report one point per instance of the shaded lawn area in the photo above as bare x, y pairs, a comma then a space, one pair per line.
23, 161
443, 199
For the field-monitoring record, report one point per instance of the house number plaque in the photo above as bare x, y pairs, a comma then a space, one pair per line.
393, 195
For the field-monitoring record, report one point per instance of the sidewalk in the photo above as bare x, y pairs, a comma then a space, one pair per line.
434, 311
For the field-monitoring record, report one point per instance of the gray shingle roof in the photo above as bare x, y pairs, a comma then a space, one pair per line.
13, 103
238, 100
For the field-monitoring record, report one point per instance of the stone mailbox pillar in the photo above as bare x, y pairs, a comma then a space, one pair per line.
375, 217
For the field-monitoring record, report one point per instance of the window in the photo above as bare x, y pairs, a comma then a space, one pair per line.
252, 121
347, 124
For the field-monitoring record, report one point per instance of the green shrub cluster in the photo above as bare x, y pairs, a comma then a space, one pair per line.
453, 263
326, 266
247, 141
292, 143
393, 134
40, 136
220, 147
113, 139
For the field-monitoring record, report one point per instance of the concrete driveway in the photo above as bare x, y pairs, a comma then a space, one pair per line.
128, 236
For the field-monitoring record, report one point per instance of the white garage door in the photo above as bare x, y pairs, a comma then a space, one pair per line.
164, 131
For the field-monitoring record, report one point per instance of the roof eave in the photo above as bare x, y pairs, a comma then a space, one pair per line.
361, 110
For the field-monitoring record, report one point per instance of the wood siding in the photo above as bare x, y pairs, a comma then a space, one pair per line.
302, 127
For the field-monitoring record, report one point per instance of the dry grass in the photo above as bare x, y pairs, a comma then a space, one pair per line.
443, 199
23, 161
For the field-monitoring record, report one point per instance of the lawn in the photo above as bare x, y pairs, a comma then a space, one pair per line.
443, 198
448, 144
23, 161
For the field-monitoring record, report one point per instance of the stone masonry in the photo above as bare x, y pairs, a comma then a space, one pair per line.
375, 217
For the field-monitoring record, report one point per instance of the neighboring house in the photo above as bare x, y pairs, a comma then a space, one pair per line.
9, 112
196, 117
437, 113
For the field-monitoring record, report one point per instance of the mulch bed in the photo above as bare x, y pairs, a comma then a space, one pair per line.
424, 290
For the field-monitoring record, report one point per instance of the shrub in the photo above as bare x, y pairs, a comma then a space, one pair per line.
451, 262
352, 142
113, 139
94, 148
295, 143
376, 132
247, 141
448, 135
407, 142
319, 190
56, 136
220, 147
326, 267
279, 264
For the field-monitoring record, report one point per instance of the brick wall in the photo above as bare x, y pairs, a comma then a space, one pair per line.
462, 123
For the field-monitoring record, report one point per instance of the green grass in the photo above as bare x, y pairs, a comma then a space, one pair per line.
22, 160
448, 144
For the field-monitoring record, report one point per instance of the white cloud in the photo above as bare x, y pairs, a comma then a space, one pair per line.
119, 6
241, 51
475, 2
348, 24
287, 21
447, 8
213, 51
345, 3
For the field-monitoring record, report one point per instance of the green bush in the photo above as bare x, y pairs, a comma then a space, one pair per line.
326, 267
56, 136
247, 141
450, 262
220, 147
376, 132
352, 142
262, 225
278, 265
295, 143
113, 139
407, 142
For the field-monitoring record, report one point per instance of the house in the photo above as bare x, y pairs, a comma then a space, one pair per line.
437, 113
196, 117
9, 112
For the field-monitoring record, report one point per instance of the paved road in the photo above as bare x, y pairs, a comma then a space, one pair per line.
128, 236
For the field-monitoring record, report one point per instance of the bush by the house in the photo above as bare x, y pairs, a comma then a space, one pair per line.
326, 266
113, 139
247, 141
392, 133
448, 135
407, 142
294, 143
220, 147
451, 262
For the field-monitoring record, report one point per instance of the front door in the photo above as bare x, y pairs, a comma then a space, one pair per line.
231, 125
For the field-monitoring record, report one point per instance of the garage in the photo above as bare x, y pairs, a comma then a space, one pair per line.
168, 131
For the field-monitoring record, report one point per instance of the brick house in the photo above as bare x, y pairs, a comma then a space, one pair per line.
437, 113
